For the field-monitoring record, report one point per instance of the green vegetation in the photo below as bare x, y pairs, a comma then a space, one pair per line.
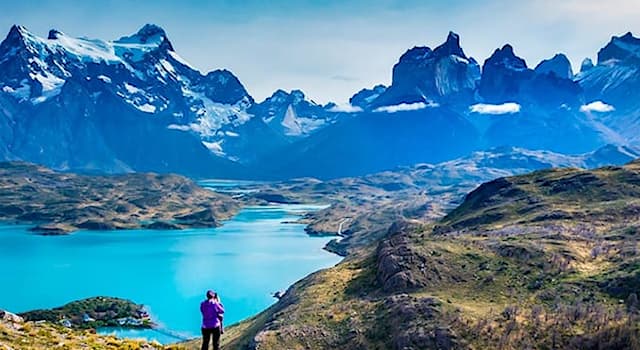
60, 203
546, 260
94, 313
15, 333
362, 208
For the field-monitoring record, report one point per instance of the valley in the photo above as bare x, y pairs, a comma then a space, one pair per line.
362, 208
463, 202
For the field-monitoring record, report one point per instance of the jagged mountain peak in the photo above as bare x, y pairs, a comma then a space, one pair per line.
150, 30
586, 64
294, 97
451, 46
628, 37
506, 56
298, 95
620, 48
223, 75
18, 36
365, 97
149, 34
17, 31
422, 75
559, 65
416, 53
223, 86
54, 34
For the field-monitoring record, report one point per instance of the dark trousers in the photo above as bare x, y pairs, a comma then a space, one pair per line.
212, 334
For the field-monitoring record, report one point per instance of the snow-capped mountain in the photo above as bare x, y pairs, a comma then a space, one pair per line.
142, 78
440, 106
375, 141
612, 86
133, 104
292, 114
55, 85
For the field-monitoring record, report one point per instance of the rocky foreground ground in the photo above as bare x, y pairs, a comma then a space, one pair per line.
17, 333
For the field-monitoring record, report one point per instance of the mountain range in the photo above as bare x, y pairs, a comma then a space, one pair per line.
133, 104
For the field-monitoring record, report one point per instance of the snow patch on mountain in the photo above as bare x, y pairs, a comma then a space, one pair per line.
147, 108
296, 125
211, 116
215, 147
597, 106
290, 123
495, 109
105, 79
21, 92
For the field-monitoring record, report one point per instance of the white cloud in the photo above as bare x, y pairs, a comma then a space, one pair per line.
405, 107
345, 109
597, 106
505, 108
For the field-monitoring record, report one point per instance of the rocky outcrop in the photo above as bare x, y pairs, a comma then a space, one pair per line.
402, 268
10, 318
415, 323
365, 97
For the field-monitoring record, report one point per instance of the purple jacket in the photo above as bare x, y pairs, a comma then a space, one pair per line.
211, 310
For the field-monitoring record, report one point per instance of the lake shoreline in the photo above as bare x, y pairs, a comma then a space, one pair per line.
282, 218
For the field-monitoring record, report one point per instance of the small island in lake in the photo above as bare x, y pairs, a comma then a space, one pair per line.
93, 313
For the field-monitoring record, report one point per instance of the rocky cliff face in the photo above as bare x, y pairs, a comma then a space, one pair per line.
614, 81
506, 78
442, 75
558, 65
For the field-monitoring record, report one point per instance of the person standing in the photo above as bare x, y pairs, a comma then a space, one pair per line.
212, 311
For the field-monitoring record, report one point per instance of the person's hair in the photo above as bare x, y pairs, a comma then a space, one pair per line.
211, 295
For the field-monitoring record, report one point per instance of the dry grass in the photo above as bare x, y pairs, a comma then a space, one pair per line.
32, 336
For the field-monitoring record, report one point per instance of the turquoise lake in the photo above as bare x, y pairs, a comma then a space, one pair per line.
247, 259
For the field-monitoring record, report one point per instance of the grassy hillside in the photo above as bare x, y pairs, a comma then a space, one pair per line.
362, 208
15, 333
542, 261
62, 202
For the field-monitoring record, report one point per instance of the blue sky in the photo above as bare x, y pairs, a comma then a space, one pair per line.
331, 49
